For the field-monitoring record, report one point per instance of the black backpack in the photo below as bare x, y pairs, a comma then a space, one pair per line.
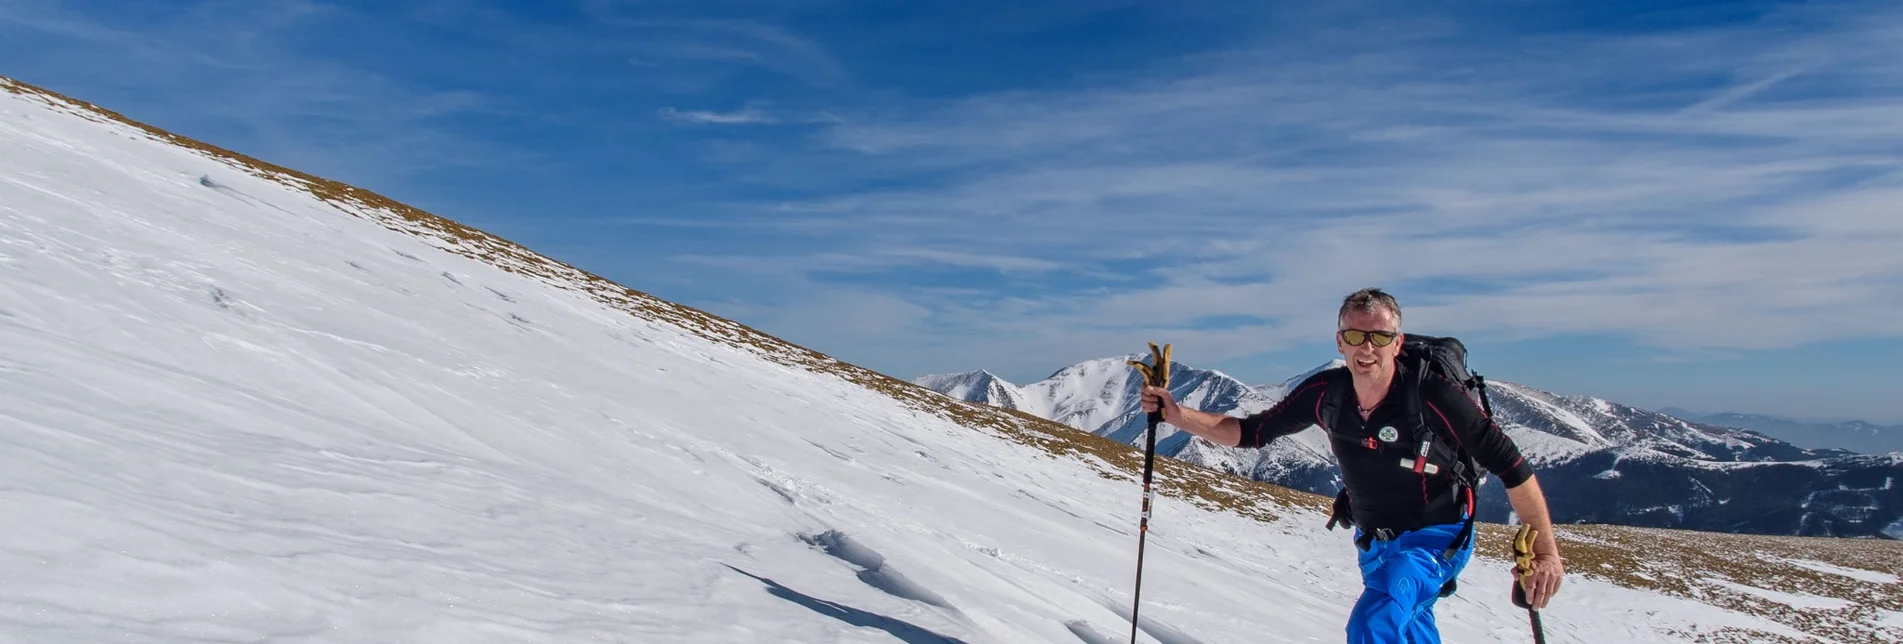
1422, 355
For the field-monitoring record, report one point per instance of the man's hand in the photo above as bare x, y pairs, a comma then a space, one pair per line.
1155, 398
1542, 582
1221, 429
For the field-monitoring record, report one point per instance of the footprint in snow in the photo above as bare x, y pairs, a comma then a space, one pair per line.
784, 494
1149, 626
1089, 635
835, 453
873, 568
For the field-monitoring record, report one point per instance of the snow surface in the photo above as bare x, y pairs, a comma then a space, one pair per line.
1541, 448
1794, 600
233, 412
1540, 400
1853, 573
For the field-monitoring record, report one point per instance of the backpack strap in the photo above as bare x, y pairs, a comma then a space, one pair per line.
1342, 512
1462, 470
1469, 472
1333, 397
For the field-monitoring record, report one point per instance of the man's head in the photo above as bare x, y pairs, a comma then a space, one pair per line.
1368, 333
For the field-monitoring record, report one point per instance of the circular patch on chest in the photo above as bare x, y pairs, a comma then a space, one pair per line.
1390, 434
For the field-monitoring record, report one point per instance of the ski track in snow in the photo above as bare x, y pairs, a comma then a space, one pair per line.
234, 413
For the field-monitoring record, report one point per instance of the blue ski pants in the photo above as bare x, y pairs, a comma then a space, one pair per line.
1401, 579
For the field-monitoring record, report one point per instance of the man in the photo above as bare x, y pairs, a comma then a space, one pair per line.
1406, 518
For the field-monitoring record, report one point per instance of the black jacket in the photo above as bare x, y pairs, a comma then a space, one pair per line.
1383, 492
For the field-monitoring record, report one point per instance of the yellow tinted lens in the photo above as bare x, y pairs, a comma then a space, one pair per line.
1355, 337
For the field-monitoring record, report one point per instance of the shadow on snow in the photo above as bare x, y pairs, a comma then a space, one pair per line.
905, 631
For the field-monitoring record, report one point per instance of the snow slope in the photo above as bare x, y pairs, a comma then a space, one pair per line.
234, 411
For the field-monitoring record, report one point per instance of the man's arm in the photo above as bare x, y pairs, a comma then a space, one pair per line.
1497, 453
1221, 429
1548, 567
1290, 415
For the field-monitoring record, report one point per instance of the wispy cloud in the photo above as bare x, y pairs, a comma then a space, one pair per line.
873, 261
1213, 180
1723, 188
229, 71
749, 115
738, 117
724, 41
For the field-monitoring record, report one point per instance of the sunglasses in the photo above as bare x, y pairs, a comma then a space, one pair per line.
1357, 337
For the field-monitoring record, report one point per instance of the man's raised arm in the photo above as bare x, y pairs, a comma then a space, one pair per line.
1220, 429
1290, 415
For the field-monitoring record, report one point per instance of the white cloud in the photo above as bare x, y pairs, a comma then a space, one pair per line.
225, 72
1594, 184
727, 41
737, 117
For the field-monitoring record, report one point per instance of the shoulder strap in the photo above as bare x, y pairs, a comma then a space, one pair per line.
1465, 470
1417, 380
1332, 397
1429, 432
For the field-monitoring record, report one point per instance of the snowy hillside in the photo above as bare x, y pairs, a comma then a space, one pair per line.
1601, 461
245, 404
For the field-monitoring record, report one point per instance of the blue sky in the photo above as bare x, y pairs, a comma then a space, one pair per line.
1695, 204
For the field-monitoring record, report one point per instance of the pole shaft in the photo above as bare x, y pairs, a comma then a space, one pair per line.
1143, 525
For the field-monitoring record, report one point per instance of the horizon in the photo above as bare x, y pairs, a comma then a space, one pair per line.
1689, 413
1692, 205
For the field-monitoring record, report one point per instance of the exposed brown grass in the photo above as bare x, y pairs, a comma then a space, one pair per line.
1673, 562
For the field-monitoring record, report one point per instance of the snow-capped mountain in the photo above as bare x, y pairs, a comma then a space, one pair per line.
1599, 461
1586, 423
243, 403
1101, 397
980, 385
1853, 435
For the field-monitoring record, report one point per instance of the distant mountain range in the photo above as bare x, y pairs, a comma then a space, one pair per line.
1856, 435
1598, 461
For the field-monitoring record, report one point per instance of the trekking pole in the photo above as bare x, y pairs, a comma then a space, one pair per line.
1158, 375
1523, 564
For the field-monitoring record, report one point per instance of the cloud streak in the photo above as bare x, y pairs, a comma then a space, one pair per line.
231, 73
834, 177
1725, 188
742, 116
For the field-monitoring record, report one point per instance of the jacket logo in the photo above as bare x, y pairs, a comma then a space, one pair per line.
1389, 434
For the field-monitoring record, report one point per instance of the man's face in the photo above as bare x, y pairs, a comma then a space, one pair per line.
1368, 360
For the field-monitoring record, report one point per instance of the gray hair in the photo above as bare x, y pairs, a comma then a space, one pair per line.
1368, 300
